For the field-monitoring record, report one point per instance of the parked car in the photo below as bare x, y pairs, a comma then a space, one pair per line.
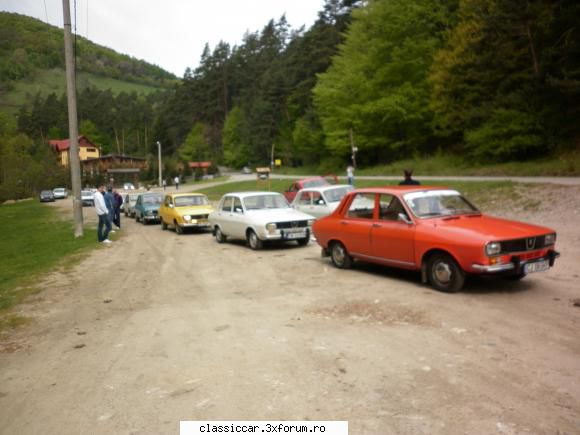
259, 217
433, 230
147, 207
128, 186
129, 201
60, 193
290, 192
320, 201
87, 197
47, 196
185, 210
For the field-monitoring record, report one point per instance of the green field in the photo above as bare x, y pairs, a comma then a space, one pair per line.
53, 80
36, 239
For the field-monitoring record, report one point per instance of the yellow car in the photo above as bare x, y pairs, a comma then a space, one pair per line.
185, 210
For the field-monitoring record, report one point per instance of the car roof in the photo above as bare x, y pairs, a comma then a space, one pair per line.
175, 195
399, 189
252, 193
324, 188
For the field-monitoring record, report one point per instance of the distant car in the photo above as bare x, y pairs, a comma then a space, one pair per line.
292, 190
129, 201
246, 170
47, 196
60, 193
87, 197
259, 217
435, 231
320, 201
128, 186
185, 210
147, 207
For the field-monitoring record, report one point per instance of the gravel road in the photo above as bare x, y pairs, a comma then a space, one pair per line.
159, 328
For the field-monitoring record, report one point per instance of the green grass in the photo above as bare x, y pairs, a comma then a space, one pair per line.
567, 164
486, 195
35, 239
53, 80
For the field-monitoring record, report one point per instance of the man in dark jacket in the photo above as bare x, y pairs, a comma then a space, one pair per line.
117, 204
408, 181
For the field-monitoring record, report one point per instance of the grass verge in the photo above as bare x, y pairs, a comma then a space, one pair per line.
36, 239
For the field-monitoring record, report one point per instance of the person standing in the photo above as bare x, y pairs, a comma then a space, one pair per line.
117, 204
350, 174
164, 183
110, 203
408, 181
104, 226
176, 180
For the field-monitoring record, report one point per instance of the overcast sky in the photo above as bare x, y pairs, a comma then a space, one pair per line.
168, 33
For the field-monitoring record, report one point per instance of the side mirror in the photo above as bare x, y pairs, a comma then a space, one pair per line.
238, 210
403, 217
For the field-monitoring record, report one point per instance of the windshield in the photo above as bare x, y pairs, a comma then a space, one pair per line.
184, 201
315, 183
336, 194
260, 202
151, 199
436, 203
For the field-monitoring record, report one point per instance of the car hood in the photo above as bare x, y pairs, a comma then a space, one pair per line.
487, 228
194, 209
276, 215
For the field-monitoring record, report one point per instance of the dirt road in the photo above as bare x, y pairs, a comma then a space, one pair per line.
160, 328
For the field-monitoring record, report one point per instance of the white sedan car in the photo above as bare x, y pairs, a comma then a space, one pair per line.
259, 217
320, 201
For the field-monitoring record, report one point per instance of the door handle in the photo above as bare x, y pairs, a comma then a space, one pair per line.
344, 222
377, 226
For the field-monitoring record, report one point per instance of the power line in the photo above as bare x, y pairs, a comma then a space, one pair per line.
45, 12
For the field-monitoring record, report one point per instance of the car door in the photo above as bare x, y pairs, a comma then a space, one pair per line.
303, 201
225, 215
238, 219
356, 224
165, 210
318, 207
392, 239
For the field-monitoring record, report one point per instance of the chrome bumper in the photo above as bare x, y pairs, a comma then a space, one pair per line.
514, 265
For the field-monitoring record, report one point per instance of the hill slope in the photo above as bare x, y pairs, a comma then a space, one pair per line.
32, 61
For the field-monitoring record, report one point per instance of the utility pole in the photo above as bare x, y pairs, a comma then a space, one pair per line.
353, 149
159, 163
73, 130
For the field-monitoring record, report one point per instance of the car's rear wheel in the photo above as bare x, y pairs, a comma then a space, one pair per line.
219, 236
444, 273
253, 240
340, 256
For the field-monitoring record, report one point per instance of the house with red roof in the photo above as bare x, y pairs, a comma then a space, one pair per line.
87, 149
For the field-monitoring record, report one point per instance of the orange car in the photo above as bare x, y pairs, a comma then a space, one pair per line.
434, 230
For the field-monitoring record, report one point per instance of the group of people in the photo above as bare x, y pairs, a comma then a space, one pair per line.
408, 173
108, 207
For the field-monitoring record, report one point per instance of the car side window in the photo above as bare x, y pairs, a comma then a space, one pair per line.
227, 204
304, 198
390, 207
317, 199
362, 206
167, 201
238, 206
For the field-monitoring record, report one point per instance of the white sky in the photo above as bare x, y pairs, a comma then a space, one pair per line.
168, 33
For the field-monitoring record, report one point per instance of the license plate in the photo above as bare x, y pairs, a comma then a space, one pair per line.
538, 266
294, 235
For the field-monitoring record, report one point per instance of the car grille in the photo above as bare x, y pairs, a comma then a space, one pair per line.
154, 212
291, 224
522, 245
200, 216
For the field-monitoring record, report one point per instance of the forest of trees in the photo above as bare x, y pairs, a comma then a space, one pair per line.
485, 79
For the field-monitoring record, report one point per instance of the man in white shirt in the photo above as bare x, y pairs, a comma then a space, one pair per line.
103, 214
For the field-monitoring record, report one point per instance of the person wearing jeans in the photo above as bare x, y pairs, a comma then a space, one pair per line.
104, 225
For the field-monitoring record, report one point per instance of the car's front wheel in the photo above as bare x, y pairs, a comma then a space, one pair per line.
136, 217
340, 257
163, 224
178, 228
304, 241
219, 236
444, 273
253, 240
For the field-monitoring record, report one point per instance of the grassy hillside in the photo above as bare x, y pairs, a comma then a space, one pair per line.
32, 61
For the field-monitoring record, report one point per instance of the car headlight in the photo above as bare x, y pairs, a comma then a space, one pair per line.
493, 248
271, 228
187, 217
550, 239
